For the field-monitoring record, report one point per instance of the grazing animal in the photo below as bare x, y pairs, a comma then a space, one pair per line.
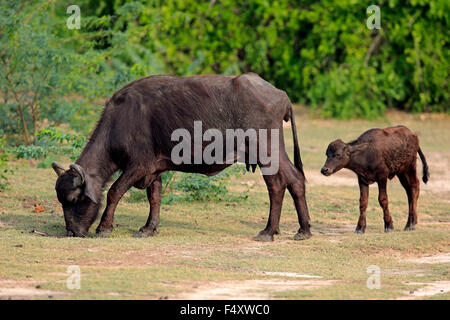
134, 135
378, 155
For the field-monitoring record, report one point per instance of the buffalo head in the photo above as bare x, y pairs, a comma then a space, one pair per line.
79, 201
338, 157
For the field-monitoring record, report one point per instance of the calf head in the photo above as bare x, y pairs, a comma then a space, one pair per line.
79, 201
338, 157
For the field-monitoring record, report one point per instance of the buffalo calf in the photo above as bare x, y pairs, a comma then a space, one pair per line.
378, 155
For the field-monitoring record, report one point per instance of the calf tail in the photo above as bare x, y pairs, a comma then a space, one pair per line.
426, 173
297, 159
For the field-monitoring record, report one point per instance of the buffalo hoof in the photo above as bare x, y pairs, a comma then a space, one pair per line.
103, 233
145, 233
302, 235
264, 236
388, 229
410, 227
359, 231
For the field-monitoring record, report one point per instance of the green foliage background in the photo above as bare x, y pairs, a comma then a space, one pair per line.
320, 52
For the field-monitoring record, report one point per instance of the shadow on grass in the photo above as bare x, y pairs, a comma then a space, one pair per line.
48, 223
54, 225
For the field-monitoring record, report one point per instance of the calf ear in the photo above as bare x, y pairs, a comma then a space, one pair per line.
359, 147
58, 169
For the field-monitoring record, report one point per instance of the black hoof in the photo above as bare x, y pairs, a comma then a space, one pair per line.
103, 233
264, 236
388, 229
145, 233
360, 231
410, 227
301, 235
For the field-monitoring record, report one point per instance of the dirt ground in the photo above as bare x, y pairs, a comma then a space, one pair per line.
207, 251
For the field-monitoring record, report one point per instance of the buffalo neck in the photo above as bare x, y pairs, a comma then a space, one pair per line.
357, 163
96, 163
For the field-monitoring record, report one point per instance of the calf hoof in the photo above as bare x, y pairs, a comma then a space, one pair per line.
360, 230
410, 227
102, 233
388, 229
302, 235
146, 232
264, 236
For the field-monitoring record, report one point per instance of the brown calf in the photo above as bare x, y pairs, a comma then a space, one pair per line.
379, 154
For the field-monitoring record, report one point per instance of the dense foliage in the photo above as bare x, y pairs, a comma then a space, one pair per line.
320, 52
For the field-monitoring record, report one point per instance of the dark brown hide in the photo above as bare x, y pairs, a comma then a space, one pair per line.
134, 135
376, 156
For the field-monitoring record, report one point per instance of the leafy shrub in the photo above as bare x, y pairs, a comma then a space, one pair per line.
319, 52
4, 168
53, 142
195, 187
48, 73
198, 187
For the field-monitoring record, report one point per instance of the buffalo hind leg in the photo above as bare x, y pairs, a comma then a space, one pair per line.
296, 187
363, 201
383, 200
276, 188
411, 184
115, 193
154, 198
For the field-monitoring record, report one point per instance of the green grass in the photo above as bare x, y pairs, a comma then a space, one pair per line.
200, 243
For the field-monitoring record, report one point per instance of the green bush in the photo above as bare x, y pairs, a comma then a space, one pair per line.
4, 168
195, 187
320, 52
52, 142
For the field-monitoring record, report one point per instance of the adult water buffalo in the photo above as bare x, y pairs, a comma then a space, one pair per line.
134, 135
378, 155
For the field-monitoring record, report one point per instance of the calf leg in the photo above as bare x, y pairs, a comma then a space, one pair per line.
115, 193
363, 201
383, 200
154, 198
276, 188
411, 184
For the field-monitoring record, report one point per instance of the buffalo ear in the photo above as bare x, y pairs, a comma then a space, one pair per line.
86, 181
359, 147
58, 169
89, 190
347, 150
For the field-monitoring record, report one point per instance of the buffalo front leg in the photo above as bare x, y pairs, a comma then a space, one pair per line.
154, 198
383, 200
115, 193
363, 201
276, 193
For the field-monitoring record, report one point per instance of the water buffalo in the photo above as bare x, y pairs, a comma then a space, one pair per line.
134, 135
378, 155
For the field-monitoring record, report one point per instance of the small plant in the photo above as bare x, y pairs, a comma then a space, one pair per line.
198, 187
195, 187
52, 141
4, 168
